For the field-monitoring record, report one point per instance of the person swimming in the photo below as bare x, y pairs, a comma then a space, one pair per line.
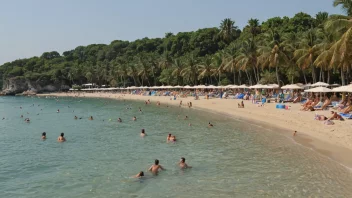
58, 111
155, 167
76, 117
183, 164
134, 118
91, 118
143, 133
27, 120
3, 118
43, 136
210, 125
186, 118
189, 124
61, 138
173, 138
21, 116
119, 120
168, 138
139, 175
140, 110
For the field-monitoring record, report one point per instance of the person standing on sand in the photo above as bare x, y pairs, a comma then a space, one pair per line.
155, 167
294, 133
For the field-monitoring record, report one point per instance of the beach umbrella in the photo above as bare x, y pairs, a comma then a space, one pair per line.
292, 86
243, 86
211, 87
178, 86
257, 86
319, 90
347, 88
187, 87
234, 86
320, 84
275, 86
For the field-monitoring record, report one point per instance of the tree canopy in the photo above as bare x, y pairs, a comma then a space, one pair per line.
279, 50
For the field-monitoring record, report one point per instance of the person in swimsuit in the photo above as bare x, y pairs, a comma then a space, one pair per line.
320, 117
139, 175
21, 116
90, 118
294, 133
119, 120
58, 111
168, 138
143, 133
134, 118
173, 138
210, 125
335, 116
155, 167
27, 120
76, 117
183, 164
186, 118
43, 136
61, 138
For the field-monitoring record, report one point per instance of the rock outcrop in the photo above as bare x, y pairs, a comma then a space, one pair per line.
14, 86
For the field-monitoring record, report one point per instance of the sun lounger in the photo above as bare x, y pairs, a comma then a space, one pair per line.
346, 115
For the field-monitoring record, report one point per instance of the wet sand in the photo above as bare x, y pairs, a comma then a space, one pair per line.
333, 141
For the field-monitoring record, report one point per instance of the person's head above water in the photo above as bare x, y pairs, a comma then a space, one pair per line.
43, 134
62, 134
156, 162
141, 174
169, 135
183, 160
143, 131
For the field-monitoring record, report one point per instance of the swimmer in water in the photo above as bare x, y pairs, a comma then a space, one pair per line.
3, 118
173, 138
27, 120
119, 120
183, 164
90, 118
140, 110
43, 136
210, 125
189, 124
61, 138
134, 118
21, 116
294, 133
76, 117
143, 133
58, 111
186, 118
155, 167
139, 175
168, 138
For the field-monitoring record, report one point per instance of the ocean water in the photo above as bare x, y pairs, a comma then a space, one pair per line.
232, 159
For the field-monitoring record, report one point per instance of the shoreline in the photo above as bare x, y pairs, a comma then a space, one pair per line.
332, 141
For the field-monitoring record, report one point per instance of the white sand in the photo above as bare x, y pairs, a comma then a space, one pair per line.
332, 140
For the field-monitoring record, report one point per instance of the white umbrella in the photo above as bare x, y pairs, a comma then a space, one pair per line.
293, 86
169, 87
243, 86
274, 86
347, 88
210, 87
320, 84
187, 87
257, 86
178, 86
234, 86
319, 90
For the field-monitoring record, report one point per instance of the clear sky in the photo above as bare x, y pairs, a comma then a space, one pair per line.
31, 27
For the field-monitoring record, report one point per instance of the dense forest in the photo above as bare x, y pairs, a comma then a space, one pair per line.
280, 50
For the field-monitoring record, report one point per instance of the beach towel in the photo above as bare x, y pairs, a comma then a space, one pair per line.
346, 115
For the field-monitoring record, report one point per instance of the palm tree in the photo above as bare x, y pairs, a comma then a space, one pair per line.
166, 60
254, 28
230, 64
190, 70
228, 30
308, 51
177, 69
218, 63
346, 6
205, 69
247, 59
274, 52
133, 73
321, 18
143, 69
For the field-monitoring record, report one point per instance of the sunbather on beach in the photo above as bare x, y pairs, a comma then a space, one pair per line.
326, 103
335, 116
241, 105
347, 109
320, 117
297, 99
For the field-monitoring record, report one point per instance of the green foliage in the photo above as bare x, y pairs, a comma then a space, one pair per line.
278, 50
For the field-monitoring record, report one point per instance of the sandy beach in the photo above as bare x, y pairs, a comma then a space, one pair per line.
334, 141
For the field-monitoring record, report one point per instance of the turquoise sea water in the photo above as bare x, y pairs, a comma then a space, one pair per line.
233, 159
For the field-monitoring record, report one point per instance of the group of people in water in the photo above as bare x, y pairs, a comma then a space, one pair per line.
156, 167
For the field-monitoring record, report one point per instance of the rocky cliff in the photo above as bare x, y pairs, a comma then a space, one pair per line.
14, 86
